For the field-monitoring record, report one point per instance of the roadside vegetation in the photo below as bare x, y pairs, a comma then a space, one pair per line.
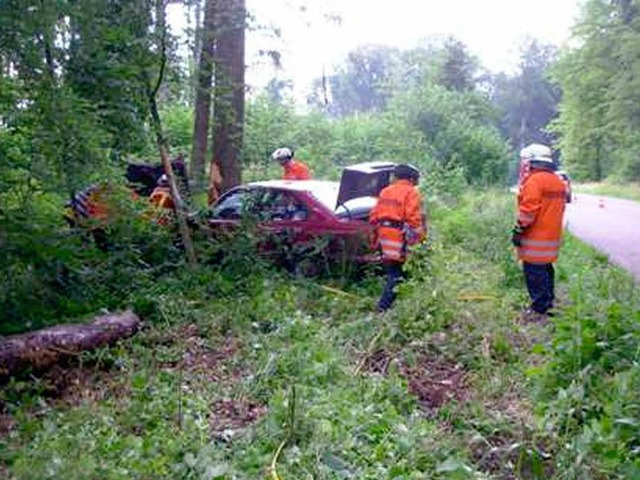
447, 385
630, 191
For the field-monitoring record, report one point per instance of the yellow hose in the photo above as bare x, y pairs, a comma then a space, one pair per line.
274, 461
337, 291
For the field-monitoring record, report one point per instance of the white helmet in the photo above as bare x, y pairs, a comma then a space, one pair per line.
163, 181
536, 153
282, 154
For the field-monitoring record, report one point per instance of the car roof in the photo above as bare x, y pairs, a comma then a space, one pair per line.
324, 191
370, 167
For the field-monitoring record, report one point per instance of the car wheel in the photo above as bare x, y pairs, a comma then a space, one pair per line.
308, 267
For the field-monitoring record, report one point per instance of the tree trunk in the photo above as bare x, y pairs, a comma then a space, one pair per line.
48, 34
522, 133
203, 94
198, 27
44, 348
228, 125
161, 141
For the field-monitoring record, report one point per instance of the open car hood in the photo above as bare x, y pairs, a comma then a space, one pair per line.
364, 180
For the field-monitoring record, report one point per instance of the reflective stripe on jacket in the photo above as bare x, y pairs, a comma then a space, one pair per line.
296, 170
541, 204
91, 205
399, 220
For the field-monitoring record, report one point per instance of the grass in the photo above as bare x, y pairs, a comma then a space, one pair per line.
447, 385
630, 191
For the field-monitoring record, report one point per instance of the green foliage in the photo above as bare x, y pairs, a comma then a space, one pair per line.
51, 271
599, 116
588, 387
177, 121
442, 131
528, 101
74, 84
155, 412
455, 130
627, 190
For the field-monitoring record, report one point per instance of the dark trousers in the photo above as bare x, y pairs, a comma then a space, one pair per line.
540, 283
395, 275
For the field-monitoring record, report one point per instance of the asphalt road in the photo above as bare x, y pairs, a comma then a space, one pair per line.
611, 225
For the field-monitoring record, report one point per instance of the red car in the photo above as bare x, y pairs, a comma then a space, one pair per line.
307, 224
564, 176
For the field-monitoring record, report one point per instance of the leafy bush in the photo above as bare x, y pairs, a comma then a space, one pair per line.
588, 388
52, 271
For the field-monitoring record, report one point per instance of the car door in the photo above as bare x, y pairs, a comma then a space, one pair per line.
283, 221
230, 212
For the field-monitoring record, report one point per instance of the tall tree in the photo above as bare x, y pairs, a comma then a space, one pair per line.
458, 66
528, 100
362, 83
163, 147
600, 78
203, 93
228, 126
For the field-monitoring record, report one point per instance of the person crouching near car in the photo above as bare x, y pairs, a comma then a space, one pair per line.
399, 223
292, 169
538, 231
163, 201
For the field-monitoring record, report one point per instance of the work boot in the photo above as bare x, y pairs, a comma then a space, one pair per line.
531, 316
380, 309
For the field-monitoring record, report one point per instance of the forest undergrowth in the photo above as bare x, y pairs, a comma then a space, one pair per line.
244, 372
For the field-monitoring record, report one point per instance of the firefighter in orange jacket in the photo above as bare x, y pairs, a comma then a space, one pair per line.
538, 231
399, 223
163, 201
293, 169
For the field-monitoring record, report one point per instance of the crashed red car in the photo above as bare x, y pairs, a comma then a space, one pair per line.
310, 222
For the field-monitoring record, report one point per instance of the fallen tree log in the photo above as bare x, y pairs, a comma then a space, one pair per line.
41, 349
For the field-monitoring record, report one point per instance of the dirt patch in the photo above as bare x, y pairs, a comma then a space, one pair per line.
378, 362
435, 381
202, 361
76, 385
228, 416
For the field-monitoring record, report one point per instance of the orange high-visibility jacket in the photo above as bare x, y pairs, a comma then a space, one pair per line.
541, 203
91, 206
398, 219
296, 170
161, 197
162, 200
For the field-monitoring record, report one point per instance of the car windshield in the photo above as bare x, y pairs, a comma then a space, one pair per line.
264, 198
262, 204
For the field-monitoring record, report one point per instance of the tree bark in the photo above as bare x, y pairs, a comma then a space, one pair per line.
198, 27
203, 94
43, 348
228, 127
163, 148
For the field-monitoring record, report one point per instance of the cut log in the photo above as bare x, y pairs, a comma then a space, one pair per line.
43, 348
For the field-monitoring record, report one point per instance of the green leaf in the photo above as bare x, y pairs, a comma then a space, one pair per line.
452, 464
336, 464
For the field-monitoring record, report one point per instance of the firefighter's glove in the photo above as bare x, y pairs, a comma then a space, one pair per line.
516, 236
410, 235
